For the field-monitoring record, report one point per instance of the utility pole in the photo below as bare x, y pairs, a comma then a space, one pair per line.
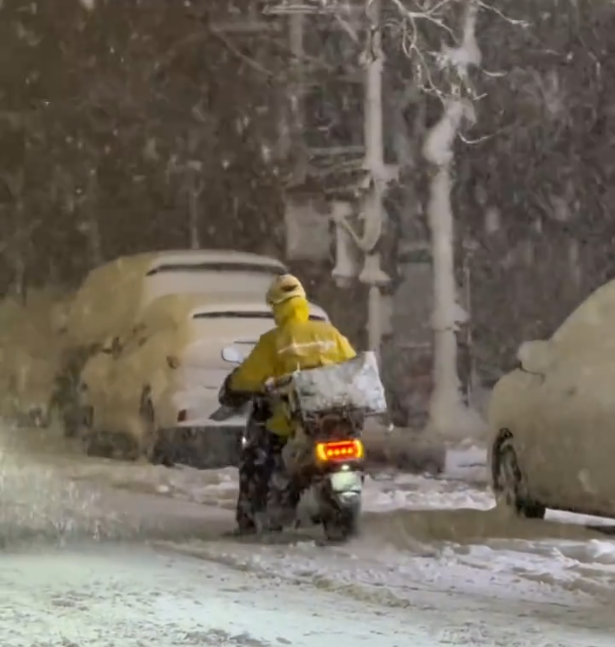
374, 161
373, 206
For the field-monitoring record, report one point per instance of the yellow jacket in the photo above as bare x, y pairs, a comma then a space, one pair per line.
296, 343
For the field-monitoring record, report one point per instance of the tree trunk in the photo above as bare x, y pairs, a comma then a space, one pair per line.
448, 415
446, 398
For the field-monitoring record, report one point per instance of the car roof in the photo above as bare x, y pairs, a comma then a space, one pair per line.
126, 276
214, 256
138, 266
151, 260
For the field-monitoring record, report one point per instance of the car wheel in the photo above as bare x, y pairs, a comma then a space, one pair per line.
77, 417
103, 444
150, 448
508, 482
70, 420
85, 420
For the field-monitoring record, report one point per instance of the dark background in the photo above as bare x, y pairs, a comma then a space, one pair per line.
111, 119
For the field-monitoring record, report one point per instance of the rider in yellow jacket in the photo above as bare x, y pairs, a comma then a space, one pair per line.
297, 342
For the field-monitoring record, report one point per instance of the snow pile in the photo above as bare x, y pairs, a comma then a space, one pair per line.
476, 552
410, 492
374, 569
383, 492
595, 551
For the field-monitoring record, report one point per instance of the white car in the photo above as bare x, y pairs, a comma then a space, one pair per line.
553, 418
152, 391
114, 297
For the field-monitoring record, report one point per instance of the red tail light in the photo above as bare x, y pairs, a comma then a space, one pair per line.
182, 416
339, 451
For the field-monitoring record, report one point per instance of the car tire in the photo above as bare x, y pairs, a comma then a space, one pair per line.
86, 420
77, 417
508, 481
104, 444
70, 420
150, 446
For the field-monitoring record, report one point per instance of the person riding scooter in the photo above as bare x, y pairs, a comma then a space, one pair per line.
296, 343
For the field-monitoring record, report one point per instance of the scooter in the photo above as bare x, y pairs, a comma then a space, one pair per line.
324, 459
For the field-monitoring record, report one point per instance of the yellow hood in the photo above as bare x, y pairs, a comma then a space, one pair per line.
296, 309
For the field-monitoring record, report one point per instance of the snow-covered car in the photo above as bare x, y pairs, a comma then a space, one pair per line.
114, 294
553, 418
113, 297
151, 392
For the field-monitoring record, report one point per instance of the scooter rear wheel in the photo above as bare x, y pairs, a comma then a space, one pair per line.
342, 524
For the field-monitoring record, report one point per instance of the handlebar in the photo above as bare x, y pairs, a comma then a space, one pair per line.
271, 388
277, 383
235, 402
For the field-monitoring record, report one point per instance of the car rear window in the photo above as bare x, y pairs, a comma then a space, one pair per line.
225, 266
254, 314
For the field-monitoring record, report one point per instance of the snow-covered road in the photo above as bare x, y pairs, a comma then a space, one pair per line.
124, 596
144, 560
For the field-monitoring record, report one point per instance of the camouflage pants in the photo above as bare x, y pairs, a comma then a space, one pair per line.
264, 500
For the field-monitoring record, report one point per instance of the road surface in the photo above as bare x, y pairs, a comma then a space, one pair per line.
96, 554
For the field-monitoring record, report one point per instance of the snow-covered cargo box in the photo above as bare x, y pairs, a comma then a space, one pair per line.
353, 385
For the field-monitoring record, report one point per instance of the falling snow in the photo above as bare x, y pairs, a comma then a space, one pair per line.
442, 187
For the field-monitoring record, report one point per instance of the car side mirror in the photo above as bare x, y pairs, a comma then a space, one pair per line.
231, 355
536, 356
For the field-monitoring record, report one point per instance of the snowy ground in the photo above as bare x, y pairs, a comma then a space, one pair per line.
131, 598
436, 565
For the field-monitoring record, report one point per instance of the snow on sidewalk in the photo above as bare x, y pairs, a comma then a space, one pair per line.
384, 491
